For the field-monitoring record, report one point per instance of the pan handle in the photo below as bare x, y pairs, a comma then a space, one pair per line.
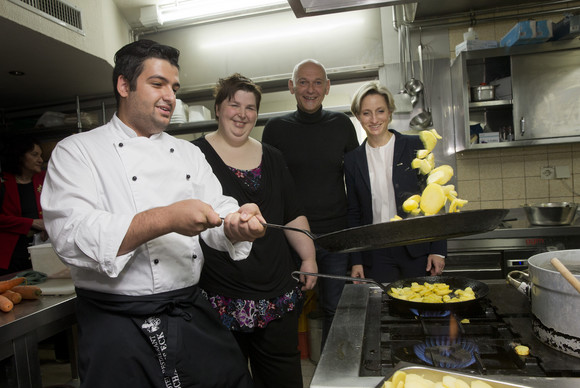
521, 285
296, 276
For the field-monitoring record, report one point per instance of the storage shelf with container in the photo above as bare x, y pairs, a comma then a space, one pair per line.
513, 95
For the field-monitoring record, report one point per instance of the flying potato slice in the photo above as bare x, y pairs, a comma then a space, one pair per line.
411, 203
456, 204
431, 159
422, 164
434, 132
422, 154
433, 199
429, 140
440, 175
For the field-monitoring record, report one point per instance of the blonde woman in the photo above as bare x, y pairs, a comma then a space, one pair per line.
379, 178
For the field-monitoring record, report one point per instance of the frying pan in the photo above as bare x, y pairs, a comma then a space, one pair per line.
479, 288
408, 231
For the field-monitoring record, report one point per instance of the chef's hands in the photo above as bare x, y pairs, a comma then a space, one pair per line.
245, 224
190, 217
435, 264
357, 271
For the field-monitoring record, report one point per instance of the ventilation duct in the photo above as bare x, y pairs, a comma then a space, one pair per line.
57, 11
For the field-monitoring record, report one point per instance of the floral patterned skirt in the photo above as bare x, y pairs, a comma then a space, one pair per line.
246, 315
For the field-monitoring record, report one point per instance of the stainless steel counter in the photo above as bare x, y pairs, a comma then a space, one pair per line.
26, 325
340, 361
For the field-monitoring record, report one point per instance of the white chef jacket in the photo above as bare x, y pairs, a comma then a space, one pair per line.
98, 180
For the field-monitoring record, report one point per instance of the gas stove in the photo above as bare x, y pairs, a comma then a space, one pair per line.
372, 337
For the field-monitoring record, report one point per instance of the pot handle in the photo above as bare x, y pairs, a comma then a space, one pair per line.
519, 280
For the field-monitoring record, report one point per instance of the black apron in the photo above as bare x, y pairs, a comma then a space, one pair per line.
173, 339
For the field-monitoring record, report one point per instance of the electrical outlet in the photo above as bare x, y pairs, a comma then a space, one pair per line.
562, 172
547, 173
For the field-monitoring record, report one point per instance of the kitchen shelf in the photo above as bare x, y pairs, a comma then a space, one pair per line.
527, 75
489, 104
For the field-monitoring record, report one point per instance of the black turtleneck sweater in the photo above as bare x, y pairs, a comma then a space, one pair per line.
314, 146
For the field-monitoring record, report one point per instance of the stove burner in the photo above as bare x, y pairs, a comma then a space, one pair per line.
446, 353
431, 314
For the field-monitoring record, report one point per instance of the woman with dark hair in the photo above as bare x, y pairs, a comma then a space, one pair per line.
20, 211
257, 299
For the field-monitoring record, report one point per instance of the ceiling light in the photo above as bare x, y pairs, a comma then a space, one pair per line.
206, 10
283, 33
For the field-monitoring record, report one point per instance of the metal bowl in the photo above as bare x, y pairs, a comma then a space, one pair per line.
551, 213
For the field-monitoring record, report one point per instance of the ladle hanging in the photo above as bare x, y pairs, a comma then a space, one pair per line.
413, 86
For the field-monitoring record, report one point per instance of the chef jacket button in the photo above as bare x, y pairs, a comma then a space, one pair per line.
156, 261
121, 144
194, 256
134, 178
171, 150
187, 176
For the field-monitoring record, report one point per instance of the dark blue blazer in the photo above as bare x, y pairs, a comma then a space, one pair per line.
406, 180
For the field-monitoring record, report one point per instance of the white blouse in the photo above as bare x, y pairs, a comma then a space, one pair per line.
380, 161
98, 180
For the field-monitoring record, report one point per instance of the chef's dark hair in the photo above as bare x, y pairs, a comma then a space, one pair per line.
14, 150
129, 60
227, 87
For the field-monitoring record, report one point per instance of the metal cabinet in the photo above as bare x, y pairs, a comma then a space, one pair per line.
538, 101
547, 86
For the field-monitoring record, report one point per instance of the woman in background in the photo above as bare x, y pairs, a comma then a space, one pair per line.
379, 178
20, 211
257, 298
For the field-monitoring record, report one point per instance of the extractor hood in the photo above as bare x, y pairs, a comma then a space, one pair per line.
303, 8
425, 9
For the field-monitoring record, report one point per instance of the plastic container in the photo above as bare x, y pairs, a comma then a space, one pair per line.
470, 34
45, 260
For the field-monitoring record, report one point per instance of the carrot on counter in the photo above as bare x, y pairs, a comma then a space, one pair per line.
6, 304
8, 284
28, 292
13, 296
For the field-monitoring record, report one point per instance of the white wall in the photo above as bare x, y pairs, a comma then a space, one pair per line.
105, 28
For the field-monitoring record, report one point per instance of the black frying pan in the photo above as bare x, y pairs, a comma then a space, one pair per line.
412, 230
479, 288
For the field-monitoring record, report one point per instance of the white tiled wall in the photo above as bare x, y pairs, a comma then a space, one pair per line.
510, 177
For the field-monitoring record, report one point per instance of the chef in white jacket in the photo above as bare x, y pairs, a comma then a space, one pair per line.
126, 205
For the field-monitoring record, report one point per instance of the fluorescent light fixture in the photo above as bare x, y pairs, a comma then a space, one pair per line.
283, 34
205, 10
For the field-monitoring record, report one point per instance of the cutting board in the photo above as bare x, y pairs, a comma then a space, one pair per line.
57, 287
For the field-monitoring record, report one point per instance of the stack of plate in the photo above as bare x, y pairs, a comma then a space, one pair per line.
180, 112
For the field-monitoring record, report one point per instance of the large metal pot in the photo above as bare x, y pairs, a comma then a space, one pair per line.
555, 303
551, 213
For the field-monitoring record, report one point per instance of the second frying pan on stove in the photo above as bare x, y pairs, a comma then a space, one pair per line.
479, 288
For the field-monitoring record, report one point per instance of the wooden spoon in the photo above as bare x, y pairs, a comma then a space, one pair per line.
566, 273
